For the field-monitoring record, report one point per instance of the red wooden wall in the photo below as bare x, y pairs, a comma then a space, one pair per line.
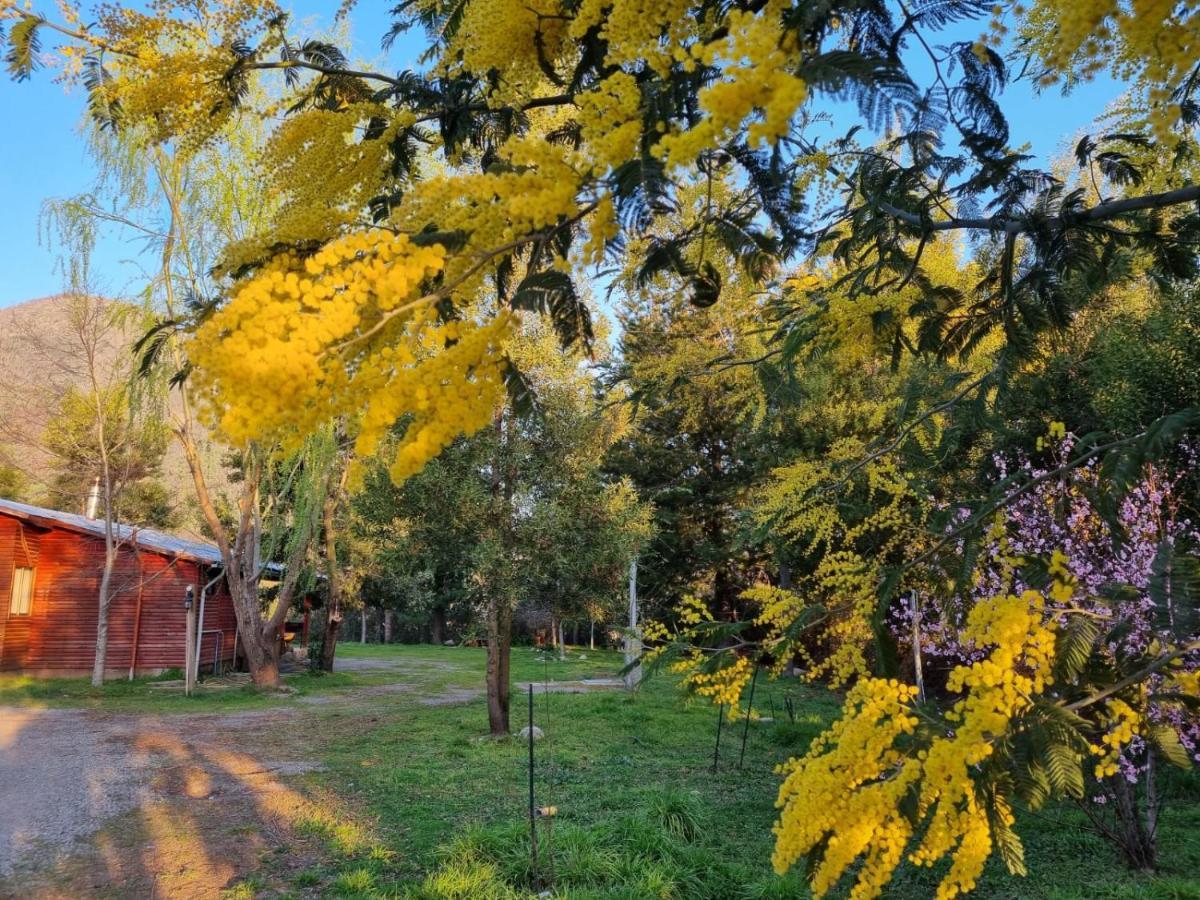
59, 635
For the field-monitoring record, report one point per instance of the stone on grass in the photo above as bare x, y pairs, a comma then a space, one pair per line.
538, 734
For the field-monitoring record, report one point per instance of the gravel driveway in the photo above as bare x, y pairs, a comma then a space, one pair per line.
65, 772
169, 804
60, 776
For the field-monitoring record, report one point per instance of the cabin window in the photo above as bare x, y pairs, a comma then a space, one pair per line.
22, 591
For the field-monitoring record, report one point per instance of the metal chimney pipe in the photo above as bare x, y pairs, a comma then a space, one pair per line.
92, 509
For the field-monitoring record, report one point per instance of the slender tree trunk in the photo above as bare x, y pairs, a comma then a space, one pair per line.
562, 643
500, 607
499, 629
437, 625
333, 574
592, 634
101, 658
389, 624
575, 633
362, 624
785, 582
1138, 845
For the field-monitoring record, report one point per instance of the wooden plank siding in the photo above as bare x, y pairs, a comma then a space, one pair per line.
19, 545
59, 634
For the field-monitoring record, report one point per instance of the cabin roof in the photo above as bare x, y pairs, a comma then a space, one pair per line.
143, 538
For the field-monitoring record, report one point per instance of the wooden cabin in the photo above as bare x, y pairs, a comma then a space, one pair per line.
50, 568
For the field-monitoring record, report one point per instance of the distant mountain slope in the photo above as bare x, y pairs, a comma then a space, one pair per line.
41, 356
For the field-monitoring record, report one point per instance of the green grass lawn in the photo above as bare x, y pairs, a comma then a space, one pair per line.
440, 810
640, 811
141, 695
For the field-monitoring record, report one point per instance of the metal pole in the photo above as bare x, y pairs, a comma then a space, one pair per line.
749, 709
200, 622
532, 808
717, 748
633, 643
188, 640
915, 608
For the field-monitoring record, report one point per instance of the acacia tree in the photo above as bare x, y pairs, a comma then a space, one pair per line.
563, 119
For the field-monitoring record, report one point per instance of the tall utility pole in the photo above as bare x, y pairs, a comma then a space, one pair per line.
633, 641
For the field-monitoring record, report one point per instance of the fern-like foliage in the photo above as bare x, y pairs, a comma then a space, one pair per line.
24, 45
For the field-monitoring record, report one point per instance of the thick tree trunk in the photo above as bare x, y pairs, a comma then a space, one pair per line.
260, 640
262, 659
389, 625
437, 625
333, 622
240, 558
499, 627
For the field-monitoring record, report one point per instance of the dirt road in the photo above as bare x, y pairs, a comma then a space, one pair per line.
176, 804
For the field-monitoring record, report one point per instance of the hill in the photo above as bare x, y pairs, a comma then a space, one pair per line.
43, 352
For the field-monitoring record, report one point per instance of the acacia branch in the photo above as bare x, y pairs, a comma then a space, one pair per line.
325, 70
1137, 677
483, 258
912, 426
1101, 212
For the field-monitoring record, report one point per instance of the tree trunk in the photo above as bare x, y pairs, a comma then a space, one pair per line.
592, 634
389, 625
1137, 845
437, 625
554, 632
262, 659
260, 640
333, 622
785, 582
499, 628
262, 655
575, 633
362, 625
500, 606
105, 600
562, 644
333, 574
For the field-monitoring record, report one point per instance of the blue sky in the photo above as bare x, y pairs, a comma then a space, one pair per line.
43, 155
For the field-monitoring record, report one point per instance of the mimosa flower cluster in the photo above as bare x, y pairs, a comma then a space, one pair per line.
349, 327
1081, 38
848, 792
